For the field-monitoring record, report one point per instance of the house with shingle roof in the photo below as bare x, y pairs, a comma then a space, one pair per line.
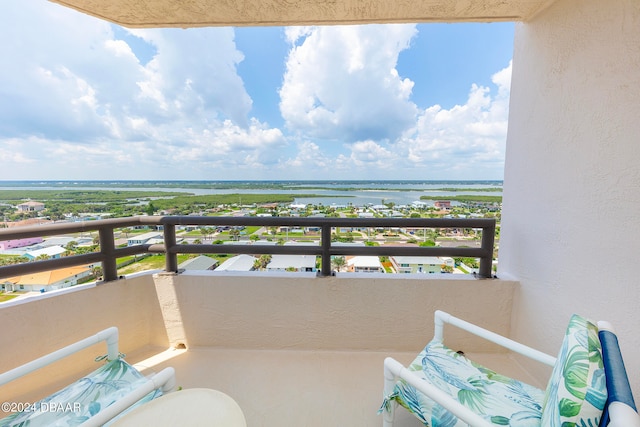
46, 280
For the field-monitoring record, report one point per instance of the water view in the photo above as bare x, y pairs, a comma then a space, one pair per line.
356, 193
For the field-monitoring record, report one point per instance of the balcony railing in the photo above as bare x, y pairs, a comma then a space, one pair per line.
108, 253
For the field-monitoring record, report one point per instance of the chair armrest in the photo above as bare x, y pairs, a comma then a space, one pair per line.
394, 370
165, 379
441, 318
110, 335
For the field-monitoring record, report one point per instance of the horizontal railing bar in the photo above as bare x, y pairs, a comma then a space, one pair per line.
67, 261
318, 221
58, 228
49, 264
317, 250
132, 250
324, 250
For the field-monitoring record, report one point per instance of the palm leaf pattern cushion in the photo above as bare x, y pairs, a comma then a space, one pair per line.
577, 391
84, 398
500, 400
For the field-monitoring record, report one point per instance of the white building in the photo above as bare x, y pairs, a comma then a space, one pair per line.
364, 264
50, 251
237, 263
30, 206
292, 263
141, 239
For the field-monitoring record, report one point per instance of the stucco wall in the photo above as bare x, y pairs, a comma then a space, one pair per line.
367, 311
53, 320
570, 231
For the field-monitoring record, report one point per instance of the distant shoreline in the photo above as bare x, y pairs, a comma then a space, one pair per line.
336, 185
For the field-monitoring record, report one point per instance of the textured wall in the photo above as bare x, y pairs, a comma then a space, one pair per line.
35, 328
570, 231
189, 13
353, 312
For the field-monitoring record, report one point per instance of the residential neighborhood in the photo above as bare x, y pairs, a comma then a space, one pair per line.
32, 212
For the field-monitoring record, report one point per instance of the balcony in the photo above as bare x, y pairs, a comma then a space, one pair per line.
569, 242
291, 348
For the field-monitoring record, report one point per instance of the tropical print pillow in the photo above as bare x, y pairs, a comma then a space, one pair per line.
577, 390
500, 400
84, 398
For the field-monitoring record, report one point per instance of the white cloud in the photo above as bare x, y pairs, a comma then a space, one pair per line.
309, 156
464, 142
467, 139
341, 82
79, 100
78, 93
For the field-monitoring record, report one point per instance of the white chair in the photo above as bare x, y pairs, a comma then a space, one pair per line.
94, 399
588, 387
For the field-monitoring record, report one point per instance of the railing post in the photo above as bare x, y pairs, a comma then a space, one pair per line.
171, 263
107, 249
488, 234
326, 254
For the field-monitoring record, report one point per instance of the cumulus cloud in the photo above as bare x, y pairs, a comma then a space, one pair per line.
466, 141
464, 137
78, 90
309, 157
79, 99
341, 83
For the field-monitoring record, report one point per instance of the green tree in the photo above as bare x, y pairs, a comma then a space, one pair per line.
71, 246
339, 262
151, 209
446, 268
204, 232
262, 262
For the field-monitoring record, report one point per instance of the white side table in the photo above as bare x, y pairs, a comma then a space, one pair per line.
189, 407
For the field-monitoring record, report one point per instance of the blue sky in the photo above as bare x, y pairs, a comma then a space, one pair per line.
81, 98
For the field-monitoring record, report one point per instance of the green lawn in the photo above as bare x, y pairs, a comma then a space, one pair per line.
155, 262
6, 297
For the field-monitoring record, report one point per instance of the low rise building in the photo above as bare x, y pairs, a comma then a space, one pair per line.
19, 243
419, 264
141, 239
364, 264
238, 263
199, 263
50, 252
46, 280
30, 206
292, 263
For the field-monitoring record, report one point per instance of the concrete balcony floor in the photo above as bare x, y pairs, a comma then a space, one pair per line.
292, 350
278, 388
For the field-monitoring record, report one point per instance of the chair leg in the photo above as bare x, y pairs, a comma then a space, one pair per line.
389, 409
388, 415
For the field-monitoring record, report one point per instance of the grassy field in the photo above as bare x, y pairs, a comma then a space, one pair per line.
6, 297
157, 262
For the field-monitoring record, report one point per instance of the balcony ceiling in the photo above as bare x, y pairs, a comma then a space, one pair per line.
199, 13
